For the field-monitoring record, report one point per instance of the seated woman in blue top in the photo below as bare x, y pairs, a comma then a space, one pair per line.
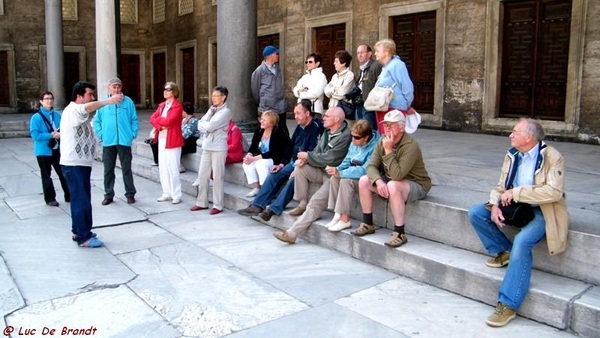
266, 150
344, 178
395, 75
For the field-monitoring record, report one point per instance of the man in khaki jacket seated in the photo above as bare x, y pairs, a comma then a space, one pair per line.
532, 173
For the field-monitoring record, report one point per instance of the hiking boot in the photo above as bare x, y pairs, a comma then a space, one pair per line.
284, 237
396, 239
364, 229
501, 316
502, 259
251, 210
297, 211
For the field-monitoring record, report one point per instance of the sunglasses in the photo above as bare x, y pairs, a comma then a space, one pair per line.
168, 89
357, 137
307, 62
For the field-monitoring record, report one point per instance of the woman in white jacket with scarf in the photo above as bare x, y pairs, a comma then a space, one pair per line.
213, 127
312, 84
342, 81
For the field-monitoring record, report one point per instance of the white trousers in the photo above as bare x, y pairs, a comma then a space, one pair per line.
168, 160
258, 171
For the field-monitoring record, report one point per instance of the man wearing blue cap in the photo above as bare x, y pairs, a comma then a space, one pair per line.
267, 86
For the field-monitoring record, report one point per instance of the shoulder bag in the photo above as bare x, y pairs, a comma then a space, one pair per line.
517, 214
379, 98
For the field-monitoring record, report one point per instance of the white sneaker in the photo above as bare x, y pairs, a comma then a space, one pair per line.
340, 225
181, 168
163, 198
335, 219
176, 201
196, 183
253, 192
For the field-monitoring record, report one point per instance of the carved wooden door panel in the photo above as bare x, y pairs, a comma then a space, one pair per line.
330, 39
414, 35
535, 59
159, 76
71, 73
188, 76
130, 75
4, 83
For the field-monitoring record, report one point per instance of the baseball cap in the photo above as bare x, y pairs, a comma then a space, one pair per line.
115, 80
394, 116
270, 50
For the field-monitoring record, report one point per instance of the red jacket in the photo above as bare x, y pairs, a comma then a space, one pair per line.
172, 122
235, 149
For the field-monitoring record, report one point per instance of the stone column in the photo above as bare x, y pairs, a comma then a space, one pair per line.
54, 53
236, 52
106, 48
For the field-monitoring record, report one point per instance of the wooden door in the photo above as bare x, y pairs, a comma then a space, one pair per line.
414, 35
535, 58
130, 75
264, 41
4, 83
188, 77
330, 39
159, 76
71, 75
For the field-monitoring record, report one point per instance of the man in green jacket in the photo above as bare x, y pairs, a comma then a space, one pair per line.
397, 173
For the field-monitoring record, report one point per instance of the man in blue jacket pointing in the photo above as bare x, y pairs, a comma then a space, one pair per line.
116, 126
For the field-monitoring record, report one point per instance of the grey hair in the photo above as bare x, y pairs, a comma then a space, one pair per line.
534, 128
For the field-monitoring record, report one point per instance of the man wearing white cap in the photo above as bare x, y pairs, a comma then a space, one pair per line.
397, 173
267, 86
117, 126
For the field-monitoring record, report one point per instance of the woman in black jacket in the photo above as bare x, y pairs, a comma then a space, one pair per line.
266, 150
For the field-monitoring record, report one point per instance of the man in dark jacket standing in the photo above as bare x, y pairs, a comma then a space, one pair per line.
369, 72
267, 86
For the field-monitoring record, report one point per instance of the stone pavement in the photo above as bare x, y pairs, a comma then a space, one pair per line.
169, 272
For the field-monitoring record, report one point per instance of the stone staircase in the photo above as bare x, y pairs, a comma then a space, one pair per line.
443, 250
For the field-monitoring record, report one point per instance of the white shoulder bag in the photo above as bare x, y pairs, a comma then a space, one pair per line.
379, 98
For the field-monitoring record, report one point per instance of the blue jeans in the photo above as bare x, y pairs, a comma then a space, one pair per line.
361, 113
269, 189
515, 284
78, 180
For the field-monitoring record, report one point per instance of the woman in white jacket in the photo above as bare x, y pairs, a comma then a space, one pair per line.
342, 81
312, 84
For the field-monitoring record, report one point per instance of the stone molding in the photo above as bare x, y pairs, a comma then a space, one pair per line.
81, 50
9, 48
157, 50
327, 20
142, 55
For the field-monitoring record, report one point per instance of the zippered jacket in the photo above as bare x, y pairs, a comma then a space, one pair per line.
117, 124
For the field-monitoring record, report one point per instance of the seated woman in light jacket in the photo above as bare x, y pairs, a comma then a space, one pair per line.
344, 178
342, 81
213, 127
266, 150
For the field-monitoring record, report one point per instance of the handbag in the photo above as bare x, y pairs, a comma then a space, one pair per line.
379, 98
517, 214
348, 109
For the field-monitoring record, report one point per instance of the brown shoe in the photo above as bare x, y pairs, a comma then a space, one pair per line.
397, 239
266, 215
284, 237
502, 259
501, 316
251, 210
364, 229
297, 211
130, 199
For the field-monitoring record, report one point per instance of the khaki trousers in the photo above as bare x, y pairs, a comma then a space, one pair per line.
211, 161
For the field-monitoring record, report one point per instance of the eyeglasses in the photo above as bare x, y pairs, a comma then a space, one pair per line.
48, 98
168, 89
357, 137
310, 61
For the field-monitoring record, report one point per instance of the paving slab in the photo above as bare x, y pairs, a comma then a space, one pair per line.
21, 185
133, 237
586, 313
45, 263
327, 321
203, 295
33, 207
418, 310
10, 297
115, 312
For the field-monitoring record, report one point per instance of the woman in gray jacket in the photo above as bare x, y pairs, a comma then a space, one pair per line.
213, 127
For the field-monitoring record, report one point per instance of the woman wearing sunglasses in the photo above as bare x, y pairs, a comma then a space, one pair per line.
167, 121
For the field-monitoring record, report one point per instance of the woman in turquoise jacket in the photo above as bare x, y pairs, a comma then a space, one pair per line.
344, 177
43, 129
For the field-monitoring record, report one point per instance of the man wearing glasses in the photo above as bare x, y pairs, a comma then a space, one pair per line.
312, 84
267, 86
396, 173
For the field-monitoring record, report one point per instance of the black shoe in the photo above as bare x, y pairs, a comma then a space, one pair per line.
251, 210
52, 203
266, 215
107, 201
130, 199
68, 199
